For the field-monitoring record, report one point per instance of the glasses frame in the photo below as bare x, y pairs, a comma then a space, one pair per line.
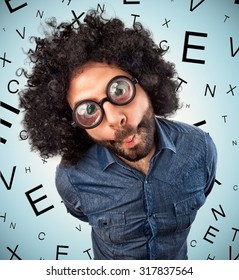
132, 81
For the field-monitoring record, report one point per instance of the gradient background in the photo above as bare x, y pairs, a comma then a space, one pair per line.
37, 237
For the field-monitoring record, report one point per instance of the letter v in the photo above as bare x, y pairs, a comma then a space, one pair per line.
23, 33
193, 8
231, 42
8, 186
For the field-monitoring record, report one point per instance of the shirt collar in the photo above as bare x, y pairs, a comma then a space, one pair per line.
106, 158
164, 139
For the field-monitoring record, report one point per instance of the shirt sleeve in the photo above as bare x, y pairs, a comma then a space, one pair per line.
68, 194
211, 162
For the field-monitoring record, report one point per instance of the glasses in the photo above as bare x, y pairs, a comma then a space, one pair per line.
89, 114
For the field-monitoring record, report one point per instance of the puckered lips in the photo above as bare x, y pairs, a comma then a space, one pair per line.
130, 141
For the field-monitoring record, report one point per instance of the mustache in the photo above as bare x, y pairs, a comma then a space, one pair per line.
128, 131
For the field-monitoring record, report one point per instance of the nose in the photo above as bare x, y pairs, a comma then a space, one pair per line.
114, 115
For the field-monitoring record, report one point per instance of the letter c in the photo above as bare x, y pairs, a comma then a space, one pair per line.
193, 243
8, 86
162, 48
39, 236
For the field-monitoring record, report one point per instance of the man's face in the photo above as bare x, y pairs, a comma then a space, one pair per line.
128, 130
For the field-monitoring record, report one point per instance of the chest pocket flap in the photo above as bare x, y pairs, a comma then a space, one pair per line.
186, 206
109, 226
186, 210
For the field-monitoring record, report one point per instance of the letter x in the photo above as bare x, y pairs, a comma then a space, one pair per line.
5, 60
166, 22
14, 253
76, 18
231, 90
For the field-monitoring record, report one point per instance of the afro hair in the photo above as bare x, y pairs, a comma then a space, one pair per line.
62, 52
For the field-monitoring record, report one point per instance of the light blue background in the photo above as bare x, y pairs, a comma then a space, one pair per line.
18, 223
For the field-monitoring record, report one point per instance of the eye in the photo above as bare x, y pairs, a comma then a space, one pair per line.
90, 109
120, 91
86, 110
88, 114
119, 88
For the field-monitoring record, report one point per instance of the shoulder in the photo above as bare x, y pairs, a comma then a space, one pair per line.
188, 137
180, 130
179, 127
84, 168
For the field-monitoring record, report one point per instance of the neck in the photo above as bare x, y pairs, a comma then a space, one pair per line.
143, 164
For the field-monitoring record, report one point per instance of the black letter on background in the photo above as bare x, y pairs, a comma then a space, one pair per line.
131, 2
187, 46
12, 10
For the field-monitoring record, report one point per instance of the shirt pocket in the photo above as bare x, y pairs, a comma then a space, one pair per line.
186, 210
109, 226
181, 214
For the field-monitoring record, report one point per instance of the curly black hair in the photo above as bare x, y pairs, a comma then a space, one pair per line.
62, 52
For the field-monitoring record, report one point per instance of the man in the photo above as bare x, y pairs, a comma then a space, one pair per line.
137, 179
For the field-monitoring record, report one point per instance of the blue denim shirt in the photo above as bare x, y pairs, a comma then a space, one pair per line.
134, 216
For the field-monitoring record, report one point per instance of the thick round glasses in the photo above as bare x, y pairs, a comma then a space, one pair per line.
89, 114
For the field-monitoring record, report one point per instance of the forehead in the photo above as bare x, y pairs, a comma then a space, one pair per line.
91, 80
95, 67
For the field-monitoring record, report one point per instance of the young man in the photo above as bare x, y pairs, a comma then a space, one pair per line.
137, 179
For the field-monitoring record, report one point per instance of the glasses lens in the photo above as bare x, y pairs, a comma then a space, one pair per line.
121, 90
88, 114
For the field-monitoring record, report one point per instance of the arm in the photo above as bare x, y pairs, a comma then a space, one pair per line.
68, 194
211, 162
